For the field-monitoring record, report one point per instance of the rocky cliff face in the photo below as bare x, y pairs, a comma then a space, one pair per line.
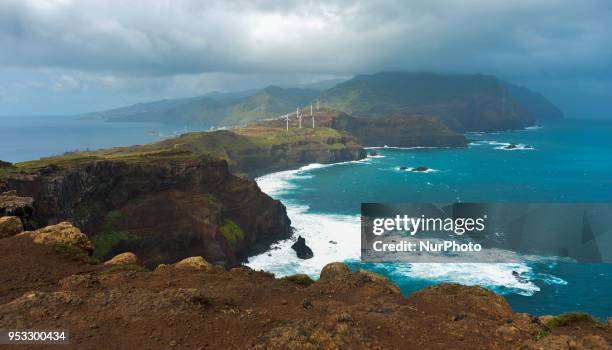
396, 130
462, 102
399, 131
292, 155
163, 209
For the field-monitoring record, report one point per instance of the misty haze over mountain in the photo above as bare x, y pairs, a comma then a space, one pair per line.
70, 57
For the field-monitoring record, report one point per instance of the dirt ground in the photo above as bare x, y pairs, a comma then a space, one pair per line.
172, 308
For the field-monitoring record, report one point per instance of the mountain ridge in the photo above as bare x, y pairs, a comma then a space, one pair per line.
464, 102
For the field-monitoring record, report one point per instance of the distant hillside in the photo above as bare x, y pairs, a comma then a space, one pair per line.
463, 102
536, 103
214, 108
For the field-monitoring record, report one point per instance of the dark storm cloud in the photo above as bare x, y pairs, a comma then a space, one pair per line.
119, 44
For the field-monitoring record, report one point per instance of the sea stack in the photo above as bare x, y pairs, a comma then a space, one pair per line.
303, 251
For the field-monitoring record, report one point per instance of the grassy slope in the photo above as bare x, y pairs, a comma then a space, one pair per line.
226, 144
269, 102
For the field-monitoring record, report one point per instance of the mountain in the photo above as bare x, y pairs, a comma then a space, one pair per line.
214, 108
463, 102
541, 108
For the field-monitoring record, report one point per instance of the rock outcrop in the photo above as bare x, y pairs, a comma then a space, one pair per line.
64, 234
162, 207
185, 308
335, 270
301, 249
193, 263
124, 259
13, 205
10, 226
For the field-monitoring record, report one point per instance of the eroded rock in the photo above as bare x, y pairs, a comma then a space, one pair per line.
193, 263
124, 258
335, 270
63, 233
10, 226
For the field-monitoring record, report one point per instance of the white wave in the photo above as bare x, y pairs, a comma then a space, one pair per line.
275, 184
413, 147
519, 147
493, 143
337, 238
535, 127
487, 275
503, 145
550, 279
331, 238
409, 169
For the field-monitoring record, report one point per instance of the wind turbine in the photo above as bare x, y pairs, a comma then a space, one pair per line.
312, 115
287, 118
299, 117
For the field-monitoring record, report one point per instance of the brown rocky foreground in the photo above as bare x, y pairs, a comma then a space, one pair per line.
195, 305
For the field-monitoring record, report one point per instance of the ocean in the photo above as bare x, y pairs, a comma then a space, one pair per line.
32, 137
565, 162
570, 161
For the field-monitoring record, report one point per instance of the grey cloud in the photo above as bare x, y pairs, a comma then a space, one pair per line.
188, 43
314, 37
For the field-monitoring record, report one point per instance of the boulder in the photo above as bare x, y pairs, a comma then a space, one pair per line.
511, 146
380, 280
10, 226
403, 168
420, 169
373, 154
303, 251
193, 263
13, 205
335, 270
124, 258
65, 234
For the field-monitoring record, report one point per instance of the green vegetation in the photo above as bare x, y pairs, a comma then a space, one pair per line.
238, 109
542, 333
73, 254
212, 201
231, 231
568, 318
237, 146
112, 218
105, 241
124, 268
300, 278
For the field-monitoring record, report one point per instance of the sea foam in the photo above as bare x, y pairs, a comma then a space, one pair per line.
337, 238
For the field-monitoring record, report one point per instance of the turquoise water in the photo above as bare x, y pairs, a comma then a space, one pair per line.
569, 162
27, 138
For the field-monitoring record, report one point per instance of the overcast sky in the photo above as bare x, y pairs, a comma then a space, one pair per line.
66, 56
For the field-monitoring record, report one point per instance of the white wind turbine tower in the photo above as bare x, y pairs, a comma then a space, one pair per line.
299, 117
312, 116
287, 119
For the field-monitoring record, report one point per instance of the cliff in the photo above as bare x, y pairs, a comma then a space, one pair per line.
395, 130
538, 105
462, 102
177, 197
192, 304
163, 206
